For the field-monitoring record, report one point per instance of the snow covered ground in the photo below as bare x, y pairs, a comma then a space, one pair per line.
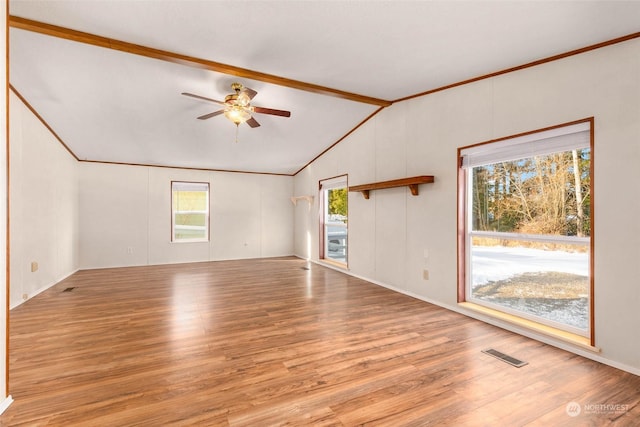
493, 263
508, 272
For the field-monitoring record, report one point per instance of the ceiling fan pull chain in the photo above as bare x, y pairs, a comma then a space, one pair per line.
237, 127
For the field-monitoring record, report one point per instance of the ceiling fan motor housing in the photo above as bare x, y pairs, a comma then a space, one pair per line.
231, 98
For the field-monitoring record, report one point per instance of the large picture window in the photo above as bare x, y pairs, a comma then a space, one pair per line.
189, 211
333, 220
526, 212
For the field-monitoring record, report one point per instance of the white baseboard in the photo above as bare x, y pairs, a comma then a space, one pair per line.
495, 322
5, 403
42, 289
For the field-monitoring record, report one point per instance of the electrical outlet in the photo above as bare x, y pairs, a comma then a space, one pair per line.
425, 274
130, 250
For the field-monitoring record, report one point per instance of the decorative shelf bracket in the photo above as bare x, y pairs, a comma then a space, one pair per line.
295, 199
412, 183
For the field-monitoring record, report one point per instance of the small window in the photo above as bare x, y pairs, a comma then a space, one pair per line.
333, 220
189, 211
526, 211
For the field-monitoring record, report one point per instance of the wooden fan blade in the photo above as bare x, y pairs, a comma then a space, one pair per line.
203, 98
250, 92
208, 116
271, 111
253, 122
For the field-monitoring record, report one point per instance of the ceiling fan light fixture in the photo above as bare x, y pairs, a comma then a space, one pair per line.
237, 107
237, 114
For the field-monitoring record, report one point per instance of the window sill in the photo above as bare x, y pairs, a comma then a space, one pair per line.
575, 339
332, 263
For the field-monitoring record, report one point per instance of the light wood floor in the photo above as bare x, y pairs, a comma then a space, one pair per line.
268, 342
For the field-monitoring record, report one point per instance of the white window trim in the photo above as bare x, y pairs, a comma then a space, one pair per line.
341, 181
558, 139
555, 140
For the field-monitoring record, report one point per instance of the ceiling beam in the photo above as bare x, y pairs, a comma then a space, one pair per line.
163, 55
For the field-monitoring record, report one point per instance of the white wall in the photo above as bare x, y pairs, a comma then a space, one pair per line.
67, 215
388, 233
43, 207
125, 216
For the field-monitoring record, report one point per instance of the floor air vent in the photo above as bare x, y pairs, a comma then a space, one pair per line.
69, 289
306, 268
505, 358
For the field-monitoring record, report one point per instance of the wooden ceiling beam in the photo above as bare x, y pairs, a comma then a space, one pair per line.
163, 55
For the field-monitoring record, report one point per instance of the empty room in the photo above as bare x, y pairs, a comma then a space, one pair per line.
337, 213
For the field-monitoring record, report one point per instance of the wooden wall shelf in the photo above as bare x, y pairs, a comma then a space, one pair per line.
412, 183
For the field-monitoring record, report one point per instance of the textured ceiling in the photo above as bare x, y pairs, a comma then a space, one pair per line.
115, 106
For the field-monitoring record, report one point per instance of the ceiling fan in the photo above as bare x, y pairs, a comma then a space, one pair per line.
238, 108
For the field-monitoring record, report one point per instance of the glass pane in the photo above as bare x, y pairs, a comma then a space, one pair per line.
190, 226
547, 195
336, 217
337, 205
336, 239
550, 281
190, 213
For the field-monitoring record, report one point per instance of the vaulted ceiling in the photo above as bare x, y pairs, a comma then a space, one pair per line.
107, 76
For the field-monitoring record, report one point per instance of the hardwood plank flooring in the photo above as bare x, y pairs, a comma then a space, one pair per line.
282, 342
